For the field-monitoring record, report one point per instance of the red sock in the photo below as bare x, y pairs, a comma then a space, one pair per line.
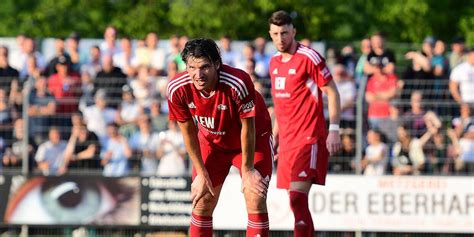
303, 221
201, 226
258, 225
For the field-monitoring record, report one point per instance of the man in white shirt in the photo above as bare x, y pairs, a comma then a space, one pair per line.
461, 84
50, 155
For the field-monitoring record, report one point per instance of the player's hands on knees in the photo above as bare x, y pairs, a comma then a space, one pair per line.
333, 142
201, 186
253, 180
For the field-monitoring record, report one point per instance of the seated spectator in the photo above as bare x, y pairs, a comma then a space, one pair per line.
42, 107
466, 118
50, 154
83, 149
376, 154
143, 86
408, 156
159, 120
144, 144
5, 69
437, 162
128, 112
347, 90
87, 89
13, 155
116, 153
94, 64
60, 55
342, 162
381, 89
390, 125
461, 84
171, 152
111, 79
463, 149
229, 56
125, 59
262, 59
415, 116
31, 69
97, 116
7, 114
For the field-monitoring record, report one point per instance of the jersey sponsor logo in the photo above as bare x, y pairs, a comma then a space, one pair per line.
222, 107
207, 122
275, 71
280, 83
303, 174
292, 71
282, 95
247, 107
192, 105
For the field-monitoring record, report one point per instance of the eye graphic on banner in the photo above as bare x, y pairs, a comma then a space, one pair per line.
71, 200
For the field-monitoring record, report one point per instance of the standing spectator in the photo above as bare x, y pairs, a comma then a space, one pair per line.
60, 55
109, 46
365, 49
388, 126
112, 79
7, 113
125, 59
439, 63
145, 144
41, 109
12, 157
50, 155
458, 54
262, 59
5, 69
29, 49
466, 118
461, 83
87, 89
347, 90
379, 56
65, 86
94, 63
116, 153
381, 89
83, 149
152, 55
171, 152
229, 56
72, 49
408, 156
32, 69
376, 154
299, 78
463, 150
128, 112
97, 116
348, 59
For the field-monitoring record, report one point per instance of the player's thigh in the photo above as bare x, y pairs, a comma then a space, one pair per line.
217, 163
263, 157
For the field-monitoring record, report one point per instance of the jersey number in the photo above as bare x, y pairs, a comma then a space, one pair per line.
280, 83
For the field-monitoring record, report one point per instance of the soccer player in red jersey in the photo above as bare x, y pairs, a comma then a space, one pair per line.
299, 76
224, 122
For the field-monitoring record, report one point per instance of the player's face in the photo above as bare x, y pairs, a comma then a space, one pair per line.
203, 73
282, 36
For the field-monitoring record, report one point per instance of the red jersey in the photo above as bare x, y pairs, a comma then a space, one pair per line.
218, 116
66, 91
297, 98
380, 108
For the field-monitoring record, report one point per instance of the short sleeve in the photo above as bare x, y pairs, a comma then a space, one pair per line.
245, 97
456, 74
178, 109
317, 70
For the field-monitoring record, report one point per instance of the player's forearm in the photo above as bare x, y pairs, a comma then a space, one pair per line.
247, 138
191, 142
334, 103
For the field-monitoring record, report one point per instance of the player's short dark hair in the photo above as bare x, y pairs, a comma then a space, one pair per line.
280, 18
202, 48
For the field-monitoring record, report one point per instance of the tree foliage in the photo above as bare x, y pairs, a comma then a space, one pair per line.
336, 20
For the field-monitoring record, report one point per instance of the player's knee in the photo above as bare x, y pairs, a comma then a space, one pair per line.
206, 205
298, 200
256, 204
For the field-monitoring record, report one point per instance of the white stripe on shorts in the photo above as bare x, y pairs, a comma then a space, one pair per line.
314, 156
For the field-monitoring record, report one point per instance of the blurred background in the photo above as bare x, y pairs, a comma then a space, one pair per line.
86, 148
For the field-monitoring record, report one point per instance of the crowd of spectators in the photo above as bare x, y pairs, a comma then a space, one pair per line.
104, 109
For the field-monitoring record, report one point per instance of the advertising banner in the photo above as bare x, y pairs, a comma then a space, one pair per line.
348, 203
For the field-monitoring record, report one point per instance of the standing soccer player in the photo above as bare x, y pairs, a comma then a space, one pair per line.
298, 76
224, 122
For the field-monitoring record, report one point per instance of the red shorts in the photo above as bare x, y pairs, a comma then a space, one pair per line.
303, 163
218, 162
